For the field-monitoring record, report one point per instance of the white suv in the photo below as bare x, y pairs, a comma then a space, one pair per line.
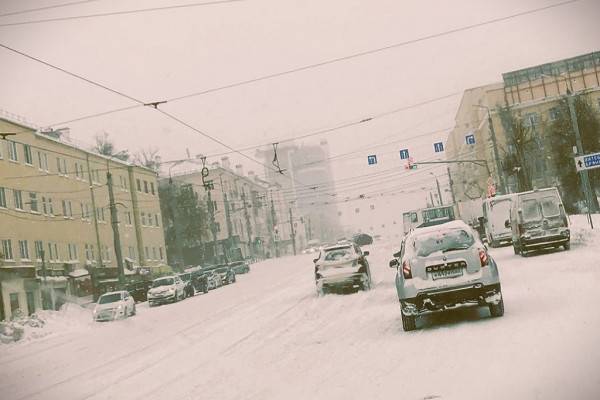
442, 267
167, 289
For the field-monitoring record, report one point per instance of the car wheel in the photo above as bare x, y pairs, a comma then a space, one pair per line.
567, 246
205, 289
409, 322
497, 310
365, 283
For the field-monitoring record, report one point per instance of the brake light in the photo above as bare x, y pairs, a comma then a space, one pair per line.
406, 271
483, 257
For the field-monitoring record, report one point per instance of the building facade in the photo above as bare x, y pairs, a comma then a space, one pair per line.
531, 95
56, 221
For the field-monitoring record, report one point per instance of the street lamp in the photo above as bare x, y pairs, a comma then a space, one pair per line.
441, 201
494, 147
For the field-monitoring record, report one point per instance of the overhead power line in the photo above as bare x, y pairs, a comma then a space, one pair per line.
30, 10
126, 12
374, 51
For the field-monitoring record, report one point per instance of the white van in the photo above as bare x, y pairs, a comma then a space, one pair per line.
496, 210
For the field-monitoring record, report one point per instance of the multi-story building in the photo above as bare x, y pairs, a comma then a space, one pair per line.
240, 213
532, 95
55, 218
307, 182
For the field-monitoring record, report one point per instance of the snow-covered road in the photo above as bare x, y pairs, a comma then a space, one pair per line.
269, 337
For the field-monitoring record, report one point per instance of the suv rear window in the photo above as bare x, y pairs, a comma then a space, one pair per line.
550, 206
443, 240
337, 254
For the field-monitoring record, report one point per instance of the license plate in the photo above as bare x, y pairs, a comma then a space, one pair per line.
446, 273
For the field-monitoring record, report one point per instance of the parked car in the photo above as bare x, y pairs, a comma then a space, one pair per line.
114, 305
188, 288
443, 267
538, 220
213, 279
198, 278
495, 212
139, 290
342, 266
168, 289
227, 274
240, 267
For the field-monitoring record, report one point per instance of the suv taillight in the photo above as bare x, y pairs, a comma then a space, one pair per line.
406, 271
483, 257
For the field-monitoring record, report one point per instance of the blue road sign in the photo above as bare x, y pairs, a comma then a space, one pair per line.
589, 161
404, 154
372, 159
470, 139
438, 147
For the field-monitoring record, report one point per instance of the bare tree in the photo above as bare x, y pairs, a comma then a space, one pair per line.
106, 147
148, 158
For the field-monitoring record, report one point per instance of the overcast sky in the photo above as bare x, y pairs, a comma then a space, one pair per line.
158, 55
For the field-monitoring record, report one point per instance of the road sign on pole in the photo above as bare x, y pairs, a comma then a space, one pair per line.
404, 154
438, 147
470, 139
372, 159
589, 161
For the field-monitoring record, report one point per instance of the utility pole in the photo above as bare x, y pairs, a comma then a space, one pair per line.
211, 219
451, 184
292, 232
274, 219
437, 182
431, 197
178, 240
585, 180
115, 227
248, 226
45, 302
94, 210
227, 219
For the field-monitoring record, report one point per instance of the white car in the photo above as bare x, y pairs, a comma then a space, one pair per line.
168, 289
114, 305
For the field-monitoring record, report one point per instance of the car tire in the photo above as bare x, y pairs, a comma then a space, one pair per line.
205, 289
133, 312
567, 246
409, 322
365, 283
497, 310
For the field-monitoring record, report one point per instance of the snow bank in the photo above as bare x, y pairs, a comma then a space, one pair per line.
582, 233
71, 317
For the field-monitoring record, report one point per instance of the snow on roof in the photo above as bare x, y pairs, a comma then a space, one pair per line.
457, 224
115, 292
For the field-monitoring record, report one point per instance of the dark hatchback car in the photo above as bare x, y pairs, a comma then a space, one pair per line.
226, 272
139, 290
197, 278
240, 267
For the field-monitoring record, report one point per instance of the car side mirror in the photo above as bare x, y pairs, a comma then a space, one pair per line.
315, 260
507, 224
394, 263
397, 254
366, 253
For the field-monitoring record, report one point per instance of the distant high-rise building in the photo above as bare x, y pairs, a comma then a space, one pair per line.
307, 181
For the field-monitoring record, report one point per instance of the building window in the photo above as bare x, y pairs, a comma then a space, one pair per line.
81, 171
33, 202
105, 253
160, 251
23, 249
72, 248
554, 113
44, 206
50, 252
2, 197
87, 211
14, 302
143, 219
154, 253
152, 187
64, 209
59, 168
50, 206
12, 151
18, 198
131, 252
156, 220
30, 303
531, 120
43, 161
28, 156
7, 249
39, 249
128, 216
139, 185
145, 186
147, 252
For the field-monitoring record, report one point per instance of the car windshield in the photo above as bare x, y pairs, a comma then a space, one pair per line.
443, 240
162, 282
109, 298
340, 253
531, 210
185, 277
550, 206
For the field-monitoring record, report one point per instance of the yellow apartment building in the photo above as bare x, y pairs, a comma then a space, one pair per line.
55, 222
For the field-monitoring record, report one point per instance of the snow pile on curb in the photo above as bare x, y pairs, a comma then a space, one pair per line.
581, 232
45, 322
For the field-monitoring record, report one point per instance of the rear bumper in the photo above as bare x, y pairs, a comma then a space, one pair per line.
432, 301
161, 300
545, 241
341, 280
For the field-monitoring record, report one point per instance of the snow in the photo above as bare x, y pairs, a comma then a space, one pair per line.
269, 336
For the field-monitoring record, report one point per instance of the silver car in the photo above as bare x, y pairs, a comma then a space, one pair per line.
443, 267
342, 266
114, 305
